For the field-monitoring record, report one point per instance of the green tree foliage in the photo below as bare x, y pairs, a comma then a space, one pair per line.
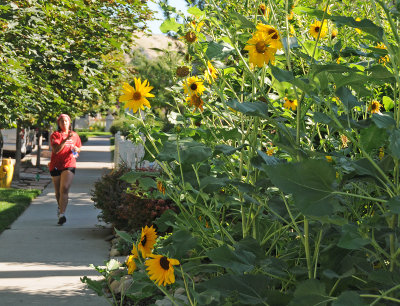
62, 56
161, 71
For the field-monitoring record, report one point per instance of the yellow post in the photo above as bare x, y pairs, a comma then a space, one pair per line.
6, 173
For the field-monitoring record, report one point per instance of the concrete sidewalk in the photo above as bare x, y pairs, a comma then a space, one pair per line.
40, 262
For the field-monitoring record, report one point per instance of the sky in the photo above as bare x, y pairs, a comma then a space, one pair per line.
155, 25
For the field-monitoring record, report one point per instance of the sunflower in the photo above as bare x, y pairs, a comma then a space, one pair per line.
270, 30
131, 264
161, 270
261, 50
344, 140
264, 10
196, 25
292, 31
160, 187
290, 104
382, 59
381, 153
329, 158
210, 73
193, 85
291, 15
182, 71
318, 27
358, 19
135, 98
190, 37
271, 151
147, 241
374, 107
334, 33
134, 251
196, 101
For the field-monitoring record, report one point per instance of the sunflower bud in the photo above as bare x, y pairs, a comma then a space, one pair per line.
182, 71
190, 37
334, 33
262, 9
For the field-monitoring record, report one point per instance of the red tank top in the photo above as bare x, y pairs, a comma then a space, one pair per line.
63, 159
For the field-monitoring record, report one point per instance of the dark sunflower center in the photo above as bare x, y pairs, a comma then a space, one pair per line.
262, 9
193, 86
137, 96
190, 37
164, 263
261, 47
272, 31
144, 240
374, 106
316, 29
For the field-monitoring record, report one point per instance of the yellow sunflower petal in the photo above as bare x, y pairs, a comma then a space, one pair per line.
125, 97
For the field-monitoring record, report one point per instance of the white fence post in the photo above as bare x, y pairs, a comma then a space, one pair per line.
116, 149
130, 153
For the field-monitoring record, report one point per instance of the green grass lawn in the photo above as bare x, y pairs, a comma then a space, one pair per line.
12, 203
84, 135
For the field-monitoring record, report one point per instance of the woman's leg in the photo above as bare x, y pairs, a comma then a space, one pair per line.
56, 183
65, 184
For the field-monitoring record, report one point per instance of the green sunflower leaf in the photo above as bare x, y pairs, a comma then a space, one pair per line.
241, 20
347, 98
365, 25
311, 183
351, 239
233, 260
190, 152
322, 118
379, 72
124, 235
247, 289
133, 176
282, 75
259, 109
310, 292
170, 24
383, 121
332, 68
394, 205
95, 285
179, 244
195, 11
227, 150
348, 298
213, 184
372, 137
301, 10
394, 143
218, 51
387, 103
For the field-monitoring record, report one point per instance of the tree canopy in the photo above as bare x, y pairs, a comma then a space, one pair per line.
63, 55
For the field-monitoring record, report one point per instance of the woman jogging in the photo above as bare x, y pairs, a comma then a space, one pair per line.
65, 146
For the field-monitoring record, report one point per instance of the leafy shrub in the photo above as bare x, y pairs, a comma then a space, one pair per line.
123, 205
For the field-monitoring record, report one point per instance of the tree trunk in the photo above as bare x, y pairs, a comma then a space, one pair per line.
39, 148
17, 153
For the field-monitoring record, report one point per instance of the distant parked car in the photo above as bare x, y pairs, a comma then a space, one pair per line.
28, 140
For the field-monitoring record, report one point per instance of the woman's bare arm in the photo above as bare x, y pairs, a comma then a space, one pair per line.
58, 148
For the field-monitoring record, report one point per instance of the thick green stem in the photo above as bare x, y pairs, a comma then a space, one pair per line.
307, 247
186, 287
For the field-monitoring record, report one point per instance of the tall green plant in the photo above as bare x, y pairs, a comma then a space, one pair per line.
288, 179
